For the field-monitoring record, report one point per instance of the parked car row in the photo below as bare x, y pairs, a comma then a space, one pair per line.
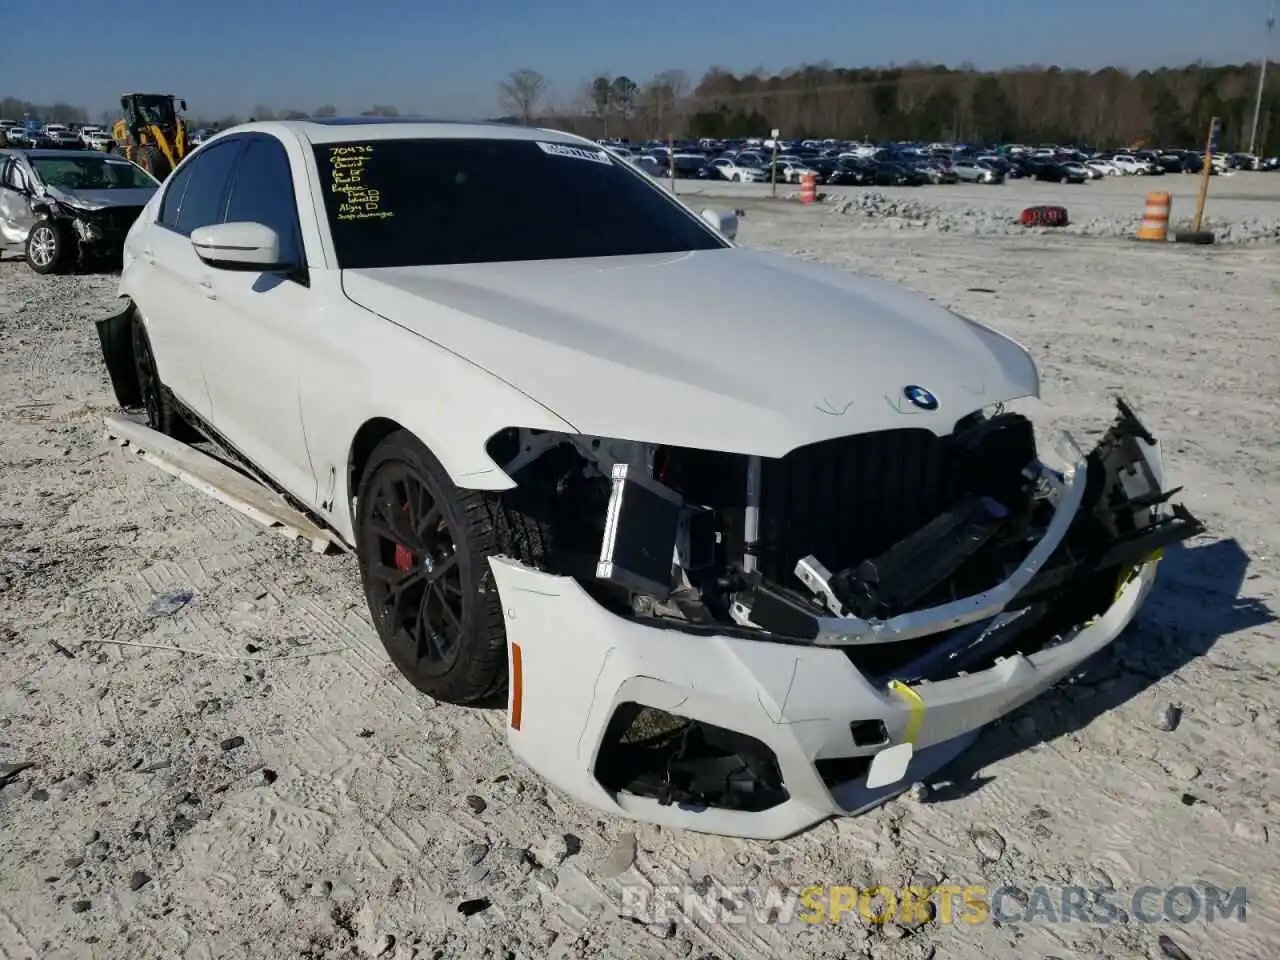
34, 135
842, 162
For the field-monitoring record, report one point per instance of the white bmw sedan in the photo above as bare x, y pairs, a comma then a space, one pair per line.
749, 542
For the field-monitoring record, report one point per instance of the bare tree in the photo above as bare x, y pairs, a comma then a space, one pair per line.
328, 110
660, 102
381, 110
293, 115
622, 95
521, 93
263, 113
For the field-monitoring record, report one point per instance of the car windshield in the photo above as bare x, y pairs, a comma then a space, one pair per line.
399, 203
90, 173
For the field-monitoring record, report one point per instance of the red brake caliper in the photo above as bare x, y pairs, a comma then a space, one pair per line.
404, 556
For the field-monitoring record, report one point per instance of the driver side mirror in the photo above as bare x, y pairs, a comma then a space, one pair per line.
725, 223
183, 105
238, 246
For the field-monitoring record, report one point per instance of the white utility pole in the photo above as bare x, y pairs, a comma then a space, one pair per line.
1262, 80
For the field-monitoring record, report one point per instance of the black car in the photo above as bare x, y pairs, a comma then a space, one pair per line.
848, 172
690, 167
1017, 169
890, 174
1050, 171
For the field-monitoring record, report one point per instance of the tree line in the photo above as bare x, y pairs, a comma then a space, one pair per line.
1171, 106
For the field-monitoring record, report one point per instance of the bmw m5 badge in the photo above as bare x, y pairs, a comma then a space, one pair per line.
920, 397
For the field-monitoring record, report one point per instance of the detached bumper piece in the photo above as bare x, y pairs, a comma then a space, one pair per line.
871, 677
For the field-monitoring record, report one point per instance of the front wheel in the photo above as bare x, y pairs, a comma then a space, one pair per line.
49, 247
424, 546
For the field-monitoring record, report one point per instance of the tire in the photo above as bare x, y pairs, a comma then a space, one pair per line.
49, 247
150, 158
162, 413
423, 547
737, 178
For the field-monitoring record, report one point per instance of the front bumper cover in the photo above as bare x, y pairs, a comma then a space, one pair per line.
576, 667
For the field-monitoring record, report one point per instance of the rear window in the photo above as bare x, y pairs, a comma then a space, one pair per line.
398, 203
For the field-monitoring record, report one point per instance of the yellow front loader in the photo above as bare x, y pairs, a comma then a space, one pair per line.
152, 134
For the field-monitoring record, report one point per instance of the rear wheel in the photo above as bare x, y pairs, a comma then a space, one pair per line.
152, 159
424, 547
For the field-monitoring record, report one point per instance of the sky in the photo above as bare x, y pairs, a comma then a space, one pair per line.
444, 58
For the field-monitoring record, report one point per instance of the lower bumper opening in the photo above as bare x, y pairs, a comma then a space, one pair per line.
651, 753
839, 771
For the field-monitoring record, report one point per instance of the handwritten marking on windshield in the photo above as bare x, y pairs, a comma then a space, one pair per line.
359, 200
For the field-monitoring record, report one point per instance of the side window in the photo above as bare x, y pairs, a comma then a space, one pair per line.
202, 202
171, 202
263, 193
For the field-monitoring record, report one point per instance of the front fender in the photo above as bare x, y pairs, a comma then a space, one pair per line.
401, 379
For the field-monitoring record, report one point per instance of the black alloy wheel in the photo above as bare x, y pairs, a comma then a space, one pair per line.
424, 546
415, 584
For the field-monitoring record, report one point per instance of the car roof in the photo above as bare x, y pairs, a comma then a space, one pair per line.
41, 154
322, 130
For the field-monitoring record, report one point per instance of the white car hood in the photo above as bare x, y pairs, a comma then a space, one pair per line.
732, 350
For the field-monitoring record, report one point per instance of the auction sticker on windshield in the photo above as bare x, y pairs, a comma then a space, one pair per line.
576, 153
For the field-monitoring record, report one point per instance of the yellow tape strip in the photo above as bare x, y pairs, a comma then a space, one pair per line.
913, 700
1131, 572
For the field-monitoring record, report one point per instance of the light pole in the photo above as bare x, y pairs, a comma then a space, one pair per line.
1262, 80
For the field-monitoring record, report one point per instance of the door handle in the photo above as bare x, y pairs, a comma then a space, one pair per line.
206, 284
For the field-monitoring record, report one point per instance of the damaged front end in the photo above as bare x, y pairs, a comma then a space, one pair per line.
885, 593
99, 232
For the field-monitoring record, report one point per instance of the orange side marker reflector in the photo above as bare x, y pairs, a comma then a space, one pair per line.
517, 686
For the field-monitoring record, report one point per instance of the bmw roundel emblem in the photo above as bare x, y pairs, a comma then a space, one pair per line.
920, 397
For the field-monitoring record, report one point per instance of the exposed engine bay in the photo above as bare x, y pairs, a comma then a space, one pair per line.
871, 526
921, 558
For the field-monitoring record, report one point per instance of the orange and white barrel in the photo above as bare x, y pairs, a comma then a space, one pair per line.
1155, 217
808, 188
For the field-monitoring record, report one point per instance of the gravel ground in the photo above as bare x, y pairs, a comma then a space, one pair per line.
1241, 207
286, 794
